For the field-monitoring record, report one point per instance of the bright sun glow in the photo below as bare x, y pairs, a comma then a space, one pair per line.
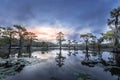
49, 33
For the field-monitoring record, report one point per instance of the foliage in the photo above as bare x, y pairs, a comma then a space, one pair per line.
113, 22
60, 38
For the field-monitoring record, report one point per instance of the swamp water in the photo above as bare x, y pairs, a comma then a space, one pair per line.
68, 65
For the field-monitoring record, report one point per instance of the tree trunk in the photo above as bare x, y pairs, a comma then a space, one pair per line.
74, 47
69, 46
10, 45
116, 41
99, 46
60, 44
86, 45
20, 46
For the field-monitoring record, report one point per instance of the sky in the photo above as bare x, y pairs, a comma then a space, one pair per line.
48, 17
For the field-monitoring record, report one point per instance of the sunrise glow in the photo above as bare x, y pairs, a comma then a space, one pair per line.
48, 32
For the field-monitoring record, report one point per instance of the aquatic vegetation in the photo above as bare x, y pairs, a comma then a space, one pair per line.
9, 67
83, 76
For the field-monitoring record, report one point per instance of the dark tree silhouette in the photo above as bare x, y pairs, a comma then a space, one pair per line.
99, 41
69, 44
9, 33
93, 41
86, 38
114, 24
29, 36
60, 38
20, 30
75, 44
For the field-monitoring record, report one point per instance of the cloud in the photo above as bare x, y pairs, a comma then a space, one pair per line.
85, 30
47, 32
73, 16
77, 32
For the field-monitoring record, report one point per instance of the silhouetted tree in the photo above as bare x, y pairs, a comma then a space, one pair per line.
93, 41
114, 23
20, 30
109, 36
9, 33
86, 38
69, 43
60, 38
99, 41
29, 36
74, 44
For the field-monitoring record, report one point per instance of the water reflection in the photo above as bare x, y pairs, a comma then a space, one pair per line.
114, 65
105, 64
111, 64
44, 51
69, 52
87, 61
74, 52
60, 59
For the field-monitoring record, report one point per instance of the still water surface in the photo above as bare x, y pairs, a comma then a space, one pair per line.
71, 65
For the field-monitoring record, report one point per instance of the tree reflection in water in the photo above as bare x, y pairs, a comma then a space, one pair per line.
112, 64
60, 59
69, 52
114, 67
75, 52
109, 62
87, 61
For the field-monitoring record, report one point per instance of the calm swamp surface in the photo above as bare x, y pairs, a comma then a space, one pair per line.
70, 65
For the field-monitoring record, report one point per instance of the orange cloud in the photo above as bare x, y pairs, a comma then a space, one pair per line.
49, 33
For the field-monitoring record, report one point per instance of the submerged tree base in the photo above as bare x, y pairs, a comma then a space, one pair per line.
9, 67
115, 51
